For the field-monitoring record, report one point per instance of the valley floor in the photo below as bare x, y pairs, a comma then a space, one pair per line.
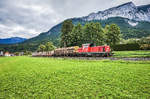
61, 78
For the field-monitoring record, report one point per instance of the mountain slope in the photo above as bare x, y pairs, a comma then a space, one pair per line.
12, 40
134, 22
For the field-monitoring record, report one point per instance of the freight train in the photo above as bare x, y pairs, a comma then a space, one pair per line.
85, 51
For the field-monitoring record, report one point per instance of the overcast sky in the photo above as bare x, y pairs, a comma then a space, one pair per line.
28, 18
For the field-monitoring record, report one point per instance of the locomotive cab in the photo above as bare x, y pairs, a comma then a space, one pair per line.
88, 45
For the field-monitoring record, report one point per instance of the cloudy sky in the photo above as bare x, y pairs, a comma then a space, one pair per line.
28, 18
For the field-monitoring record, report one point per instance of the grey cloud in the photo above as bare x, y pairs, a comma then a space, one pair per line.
32, 16
28, 18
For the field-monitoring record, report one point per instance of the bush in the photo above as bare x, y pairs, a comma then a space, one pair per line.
145, 47
126, 47
27, 53
16, 53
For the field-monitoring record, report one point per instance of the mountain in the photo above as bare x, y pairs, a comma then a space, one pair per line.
13, 40
134, 22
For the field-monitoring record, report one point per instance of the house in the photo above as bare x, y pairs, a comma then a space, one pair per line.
1, 53
7, 54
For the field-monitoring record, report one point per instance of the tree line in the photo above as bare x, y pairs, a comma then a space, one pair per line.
76, 35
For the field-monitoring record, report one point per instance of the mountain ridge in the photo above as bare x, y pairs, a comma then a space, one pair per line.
128, 10
12, 40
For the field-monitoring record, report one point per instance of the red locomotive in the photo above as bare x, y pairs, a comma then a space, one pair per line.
91, 50
85, 50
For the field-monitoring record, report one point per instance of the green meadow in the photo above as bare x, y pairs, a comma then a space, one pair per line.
134, 54
59, 78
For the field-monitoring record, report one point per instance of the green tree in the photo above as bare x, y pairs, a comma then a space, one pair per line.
112, 34
99, 34
16, 53
41, 48
93, 33
66, 33
77, 35
49, 46
27, 52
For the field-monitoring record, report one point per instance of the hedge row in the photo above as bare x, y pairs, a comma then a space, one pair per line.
145, 47
126, 47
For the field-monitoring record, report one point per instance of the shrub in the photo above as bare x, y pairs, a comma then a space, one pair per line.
16, 53
145, 47
27, 53
126, 47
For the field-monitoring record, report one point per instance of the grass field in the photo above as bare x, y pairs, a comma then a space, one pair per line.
48, 78
132, 53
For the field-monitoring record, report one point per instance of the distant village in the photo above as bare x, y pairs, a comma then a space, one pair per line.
7, 54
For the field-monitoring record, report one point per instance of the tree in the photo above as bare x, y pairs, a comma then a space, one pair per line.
41, 48
93, 33
27, 53
16, 53
77, 35
49, 46
99, 34
112, 34
66, 33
